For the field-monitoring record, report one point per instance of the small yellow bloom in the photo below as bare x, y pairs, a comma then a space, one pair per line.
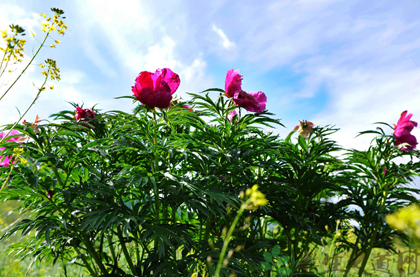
42, 66
57, 41
52, 46
406, 220
256, 198
18, 151
43, 15
51, 87
49, 18
10, 71
33, 34
23, 161
60, 32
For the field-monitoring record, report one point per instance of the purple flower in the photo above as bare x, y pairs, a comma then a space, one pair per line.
402, 132
6, 161
252, 102
84, 114
156, 89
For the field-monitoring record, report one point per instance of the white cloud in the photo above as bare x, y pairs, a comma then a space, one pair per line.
225, 42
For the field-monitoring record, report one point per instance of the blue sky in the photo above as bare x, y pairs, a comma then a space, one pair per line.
348, 63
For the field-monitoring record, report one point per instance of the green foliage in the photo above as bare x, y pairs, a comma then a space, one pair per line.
154, 192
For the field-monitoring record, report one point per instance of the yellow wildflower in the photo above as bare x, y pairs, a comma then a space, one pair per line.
52, 45
43, 15
406, 220
42, 66
18, 151
51, 87
33, 34
256, 198
57, 41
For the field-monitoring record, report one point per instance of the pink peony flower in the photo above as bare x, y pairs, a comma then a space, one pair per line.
305, 128
6, 161
402, 132
252, 102
156, 89
233, 82
231, 115
84, 114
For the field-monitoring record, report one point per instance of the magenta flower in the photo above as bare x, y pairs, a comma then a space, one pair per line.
402, 132
84, 114
156, 89
231, 115
252, 102
233, 82
6, 161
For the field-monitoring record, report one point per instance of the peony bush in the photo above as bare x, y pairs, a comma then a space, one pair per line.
199, 188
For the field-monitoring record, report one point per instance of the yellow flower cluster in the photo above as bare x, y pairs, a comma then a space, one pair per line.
255, 198
53, 71
56, 24
18, 152
14, 45
406, 220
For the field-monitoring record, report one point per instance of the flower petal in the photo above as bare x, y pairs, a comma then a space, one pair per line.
233, 82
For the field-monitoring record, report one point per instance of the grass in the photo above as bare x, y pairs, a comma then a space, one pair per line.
10, 266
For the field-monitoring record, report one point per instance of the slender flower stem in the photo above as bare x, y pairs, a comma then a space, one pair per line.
227, 240
30, 106
8, 177
23, 71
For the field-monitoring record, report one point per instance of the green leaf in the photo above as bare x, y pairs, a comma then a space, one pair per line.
283, 260
285, 271
265, 266
267, 257
275, 251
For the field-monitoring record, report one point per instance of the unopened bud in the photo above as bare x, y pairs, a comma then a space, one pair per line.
211, 243
230, 253
238, 248
225, 262
224, 231
209, 259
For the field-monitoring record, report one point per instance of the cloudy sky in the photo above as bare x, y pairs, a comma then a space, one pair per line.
348, 63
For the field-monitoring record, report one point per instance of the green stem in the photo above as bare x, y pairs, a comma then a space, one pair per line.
8, 177
30, 106
125, 251
353, 256
93, 253
227, 239
87, 265
23, 71
373, 238
111, 247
